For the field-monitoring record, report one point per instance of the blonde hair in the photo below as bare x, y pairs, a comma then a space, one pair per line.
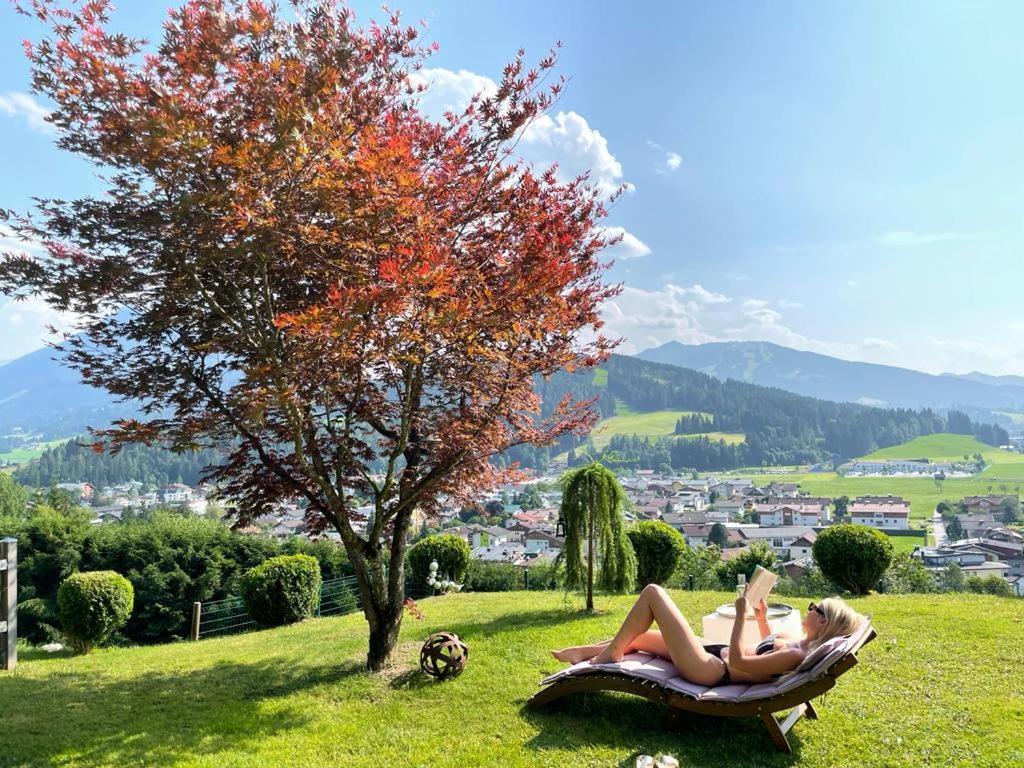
840, 619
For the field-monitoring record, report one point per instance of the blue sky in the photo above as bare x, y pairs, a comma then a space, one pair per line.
842, 177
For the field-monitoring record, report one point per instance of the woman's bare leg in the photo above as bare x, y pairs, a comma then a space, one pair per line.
577, 653
650, 641
685, 650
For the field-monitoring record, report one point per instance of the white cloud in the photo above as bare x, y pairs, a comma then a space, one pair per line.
22, 105
671, 161
565, 138
630, 247
449, 91
568, 140
873, 343
697, 315
24, 325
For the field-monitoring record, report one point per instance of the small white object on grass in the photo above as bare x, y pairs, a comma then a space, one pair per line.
667, 761
52, 647
645, 761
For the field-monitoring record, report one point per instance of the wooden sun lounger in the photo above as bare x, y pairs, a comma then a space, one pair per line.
701, 700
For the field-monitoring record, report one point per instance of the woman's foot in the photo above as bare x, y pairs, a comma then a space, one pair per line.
574, 655
609, 655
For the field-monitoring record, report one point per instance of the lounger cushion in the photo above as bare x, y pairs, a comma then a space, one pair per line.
646, 666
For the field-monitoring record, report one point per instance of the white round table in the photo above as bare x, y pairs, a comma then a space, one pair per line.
717, 626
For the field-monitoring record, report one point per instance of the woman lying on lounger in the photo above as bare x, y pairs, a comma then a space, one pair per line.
707, 664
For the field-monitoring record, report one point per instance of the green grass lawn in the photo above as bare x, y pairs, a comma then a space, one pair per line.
24, 455
907, 543
298, 697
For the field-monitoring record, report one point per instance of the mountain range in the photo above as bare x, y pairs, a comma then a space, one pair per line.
40, 396
829, 378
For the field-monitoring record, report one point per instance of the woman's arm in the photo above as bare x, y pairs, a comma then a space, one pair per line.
761, 614
772, 663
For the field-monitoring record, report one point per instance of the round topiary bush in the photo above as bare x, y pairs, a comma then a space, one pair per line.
658, 547
451, 553
853, 557
282, 590
92, 606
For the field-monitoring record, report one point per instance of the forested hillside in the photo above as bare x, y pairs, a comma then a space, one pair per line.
781, 428
75, 462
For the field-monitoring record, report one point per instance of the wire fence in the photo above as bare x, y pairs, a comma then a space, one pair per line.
229, 616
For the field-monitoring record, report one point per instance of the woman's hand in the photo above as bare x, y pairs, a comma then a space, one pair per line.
741, 606
761, 611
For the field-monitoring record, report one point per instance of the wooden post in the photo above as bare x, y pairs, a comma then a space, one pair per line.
197, 613
8, 603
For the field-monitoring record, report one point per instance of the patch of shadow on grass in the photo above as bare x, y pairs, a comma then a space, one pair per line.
156, 718
637, 726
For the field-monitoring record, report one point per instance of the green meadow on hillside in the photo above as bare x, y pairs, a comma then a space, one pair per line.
651, 425
939, 448
24, 455
923, 493
1004, 474
297, 696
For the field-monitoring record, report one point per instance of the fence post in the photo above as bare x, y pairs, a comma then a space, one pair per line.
197, 616
8, 603
526, 578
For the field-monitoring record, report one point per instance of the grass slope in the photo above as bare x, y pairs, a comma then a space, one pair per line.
297, 696
922, 492
25, 455
650, 424
947, 447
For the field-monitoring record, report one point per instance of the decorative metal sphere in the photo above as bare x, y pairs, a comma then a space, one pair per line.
443, 656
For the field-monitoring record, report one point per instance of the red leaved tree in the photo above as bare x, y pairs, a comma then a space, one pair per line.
292, 264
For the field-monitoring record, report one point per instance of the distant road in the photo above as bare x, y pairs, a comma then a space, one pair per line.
938, 529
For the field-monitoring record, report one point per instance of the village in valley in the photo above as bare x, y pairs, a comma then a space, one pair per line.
518, 524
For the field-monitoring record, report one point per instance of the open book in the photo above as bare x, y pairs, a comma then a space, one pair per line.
759, 586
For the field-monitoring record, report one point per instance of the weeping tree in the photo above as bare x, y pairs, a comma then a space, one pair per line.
592, 504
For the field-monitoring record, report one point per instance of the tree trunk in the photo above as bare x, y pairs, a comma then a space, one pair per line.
384, 628
590, 562
383, 599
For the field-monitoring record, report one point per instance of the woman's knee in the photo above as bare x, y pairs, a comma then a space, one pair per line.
653, 589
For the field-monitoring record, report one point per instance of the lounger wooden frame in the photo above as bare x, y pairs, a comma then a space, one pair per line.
798, 699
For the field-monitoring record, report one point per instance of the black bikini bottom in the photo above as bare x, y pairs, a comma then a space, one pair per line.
715, 649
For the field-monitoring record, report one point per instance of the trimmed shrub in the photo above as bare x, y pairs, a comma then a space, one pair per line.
745, 562
658, 548
853, 557
92, 606
282, 590
451, 553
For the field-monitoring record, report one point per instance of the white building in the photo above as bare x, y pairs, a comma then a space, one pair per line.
883, 516
792, 513
779, 538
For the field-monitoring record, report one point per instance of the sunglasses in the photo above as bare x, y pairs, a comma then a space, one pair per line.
814, 607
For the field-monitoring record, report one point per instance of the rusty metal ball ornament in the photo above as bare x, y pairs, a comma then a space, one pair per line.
443, 656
